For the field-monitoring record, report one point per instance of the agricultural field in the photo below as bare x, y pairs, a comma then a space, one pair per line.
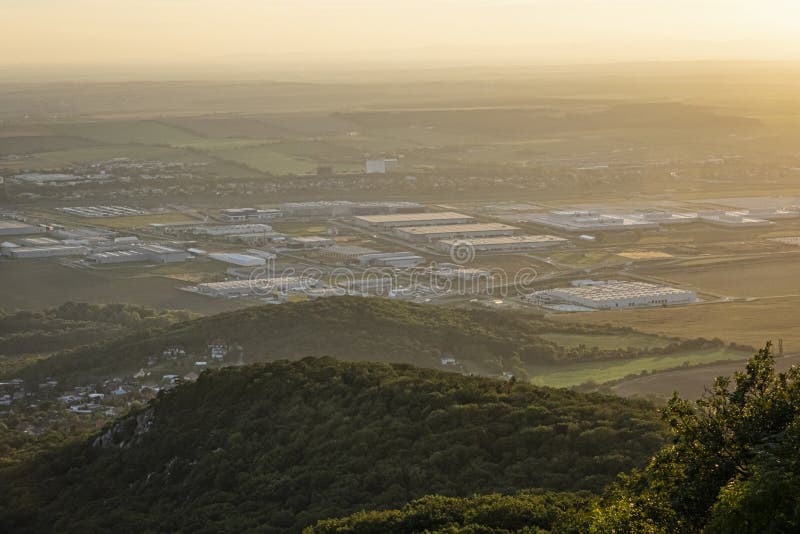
127, 132
35, 285
749, 323
690, 382
599, 372
774, 276
264, 159
58, 159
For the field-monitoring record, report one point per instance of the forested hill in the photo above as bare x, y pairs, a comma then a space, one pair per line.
26, 336
485, 341
278, 446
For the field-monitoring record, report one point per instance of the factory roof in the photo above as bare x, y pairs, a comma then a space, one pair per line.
508, 240
158, 249
238, 259
311, 239
347, 250
407, 217
117, 254
619, 290
457, 228
15, 225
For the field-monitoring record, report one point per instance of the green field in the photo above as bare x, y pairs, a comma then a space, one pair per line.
751, 323
77, 156
127, 132
35, 285
604, 371
777, 276
266, 159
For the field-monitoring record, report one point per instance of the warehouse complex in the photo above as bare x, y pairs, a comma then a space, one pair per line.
616, 294
413, 219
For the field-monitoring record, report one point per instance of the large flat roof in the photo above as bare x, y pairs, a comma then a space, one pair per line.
8, 225
619, 290
457, 228
508, 240
410, 217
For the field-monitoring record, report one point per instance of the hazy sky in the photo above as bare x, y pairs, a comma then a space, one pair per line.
459, 31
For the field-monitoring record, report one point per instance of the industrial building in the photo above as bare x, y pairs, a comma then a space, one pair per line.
162, 254
26, 253
449, 271
345, 253
231, 289
516, 242
400, 260
81, 234
39, 242
249, 214
310, 242
413, 219
665, 217
616, 294
381, 166
735, 219
102, 211
255, 287
234, 229
581, 220
8, 227
118, 256
242, 260
452, 231
346, 208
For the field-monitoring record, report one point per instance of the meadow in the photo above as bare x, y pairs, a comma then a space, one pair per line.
599, 372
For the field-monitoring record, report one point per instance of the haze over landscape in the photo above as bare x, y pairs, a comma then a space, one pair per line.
442, 266
418, 32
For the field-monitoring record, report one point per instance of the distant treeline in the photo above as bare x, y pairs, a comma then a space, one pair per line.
484, 342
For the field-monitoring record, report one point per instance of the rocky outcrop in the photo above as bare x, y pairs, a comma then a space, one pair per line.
126, 432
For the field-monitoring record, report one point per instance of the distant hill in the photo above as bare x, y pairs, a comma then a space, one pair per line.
25, 335
276, 447
366, 329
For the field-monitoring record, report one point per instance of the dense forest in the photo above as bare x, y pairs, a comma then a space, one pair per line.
732, 466
276, 447
365, 329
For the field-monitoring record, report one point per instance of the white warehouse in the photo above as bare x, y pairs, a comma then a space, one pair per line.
452, 231
615, 294
516, 242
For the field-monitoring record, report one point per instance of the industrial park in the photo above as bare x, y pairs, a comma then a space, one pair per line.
283, 252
